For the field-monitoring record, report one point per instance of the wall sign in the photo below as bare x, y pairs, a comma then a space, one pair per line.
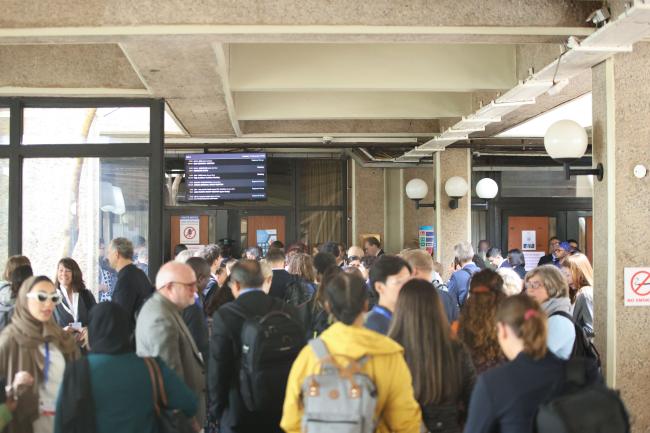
528, 240
637, 287
427, 238
189, 230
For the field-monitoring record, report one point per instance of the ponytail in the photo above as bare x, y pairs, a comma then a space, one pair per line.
527, 320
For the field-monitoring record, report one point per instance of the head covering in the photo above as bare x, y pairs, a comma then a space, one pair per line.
565, 246
108, 329
30, 333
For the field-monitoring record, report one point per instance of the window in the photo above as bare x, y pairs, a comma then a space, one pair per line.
321, 226
4, 210
4, 126
70, 205
321, 182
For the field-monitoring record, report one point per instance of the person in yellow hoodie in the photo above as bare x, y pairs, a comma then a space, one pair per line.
396, 410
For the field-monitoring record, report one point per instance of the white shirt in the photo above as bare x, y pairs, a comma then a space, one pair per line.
73, 308
49, 391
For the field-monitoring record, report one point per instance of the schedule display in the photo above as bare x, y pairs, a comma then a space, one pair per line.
225, 176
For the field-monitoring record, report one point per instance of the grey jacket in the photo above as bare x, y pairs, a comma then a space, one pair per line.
160, 331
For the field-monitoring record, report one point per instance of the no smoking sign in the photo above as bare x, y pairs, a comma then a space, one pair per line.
637, 287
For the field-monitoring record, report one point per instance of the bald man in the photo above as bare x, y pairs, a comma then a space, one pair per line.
161, 331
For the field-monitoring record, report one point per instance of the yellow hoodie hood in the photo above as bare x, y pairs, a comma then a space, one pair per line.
355, 341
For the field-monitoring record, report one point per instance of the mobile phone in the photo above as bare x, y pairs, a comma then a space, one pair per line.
76, 326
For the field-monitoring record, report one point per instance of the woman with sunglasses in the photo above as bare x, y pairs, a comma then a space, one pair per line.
34, 343
73, 313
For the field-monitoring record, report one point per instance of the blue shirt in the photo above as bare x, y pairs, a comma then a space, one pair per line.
379, 319
459, 282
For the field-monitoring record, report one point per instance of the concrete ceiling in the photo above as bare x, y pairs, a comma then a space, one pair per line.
287, 68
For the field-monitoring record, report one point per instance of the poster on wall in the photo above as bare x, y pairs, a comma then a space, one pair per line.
637, 287
265, 237
427, 238
528, 240
189, 230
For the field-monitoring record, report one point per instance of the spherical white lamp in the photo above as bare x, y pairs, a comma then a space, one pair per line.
487, 188
416, 189
456, 187
566, 140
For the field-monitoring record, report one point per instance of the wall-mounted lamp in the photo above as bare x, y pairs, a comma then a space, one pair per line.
566, 141
486, 189
455, 187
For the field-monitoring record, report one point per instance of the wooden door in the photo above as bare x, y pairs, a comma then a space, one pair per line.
175, 235
269, 223
540, 225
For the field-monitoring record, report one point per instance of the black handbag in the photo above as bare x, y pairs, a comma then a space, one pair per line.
168, 420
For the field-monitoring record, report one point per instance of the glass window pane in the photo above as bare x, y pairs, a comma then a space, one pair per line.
4, 126
320, 226
71, 205
4, 210
321, 183
86, 125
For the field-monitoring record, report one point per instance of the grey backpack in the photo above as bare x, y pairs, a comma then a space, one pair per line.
338, 399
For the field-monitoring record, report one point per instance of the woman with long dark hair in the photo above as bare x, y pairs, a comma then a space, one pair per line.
73, 313
442, 370
476, 327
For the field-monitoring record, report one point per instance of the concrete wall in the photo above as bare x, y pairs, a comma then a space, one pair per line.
368, 203
621, 204
413, 218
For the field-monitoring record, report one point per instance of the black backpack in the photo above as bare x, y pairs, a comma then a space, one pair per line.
299, 293
583, 407
269, 345
582, 346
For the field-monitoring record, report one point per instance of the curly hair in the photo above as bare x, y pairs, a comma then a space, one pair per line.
477, 327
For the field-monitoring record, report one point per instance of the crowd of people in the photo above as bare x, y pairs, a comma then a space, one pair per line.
294, 340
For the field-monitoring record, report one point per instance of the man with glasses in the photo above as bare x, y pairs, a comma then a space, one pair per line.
161, 331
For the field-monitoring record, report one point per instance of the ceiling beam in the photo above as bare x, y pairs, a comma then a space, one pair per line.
377, 67
221, 52
350, 105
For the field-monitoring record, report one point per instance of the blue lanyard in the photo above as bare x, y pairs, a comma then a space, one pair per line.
384, 312
46, 368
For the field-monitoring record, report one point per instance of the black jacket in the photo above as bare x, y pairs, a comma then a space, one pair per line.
131, 290
449, 417
506, 398
194, 318
86, 302
279, 283
545, 260
226, 405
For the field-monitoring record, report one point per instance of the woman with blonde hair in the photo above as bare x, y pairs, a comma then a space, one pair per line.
302, 265
512, 282
580, 277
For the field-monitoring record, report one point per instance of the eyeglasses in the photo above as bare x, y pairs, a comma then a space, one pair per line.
191, 285
42, 297
534, 285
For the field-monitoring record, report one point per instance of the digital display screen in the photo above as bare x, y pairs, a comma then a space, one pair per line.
225, 176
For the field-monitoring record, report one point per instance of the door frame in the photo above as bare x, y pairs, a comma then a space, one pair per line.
558, 207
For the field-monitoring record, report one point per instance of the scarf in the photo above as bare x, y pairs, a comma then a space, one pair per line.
553, 305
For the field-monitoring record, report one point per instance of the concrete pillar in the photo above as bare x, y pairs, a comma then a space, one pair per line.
413, 218
452, 225
367, 203
393, 210
621, 133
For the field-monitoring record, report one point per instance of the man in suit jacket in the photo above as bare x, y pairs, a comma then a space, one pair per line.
226, 404
281, 277
161, 331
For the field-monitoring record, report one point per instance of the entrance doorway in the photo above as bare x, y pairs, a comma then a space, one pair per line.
263, 230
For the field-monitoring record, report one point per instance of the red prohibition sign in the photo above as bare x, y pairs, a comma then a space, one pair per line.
639, 283
189, 233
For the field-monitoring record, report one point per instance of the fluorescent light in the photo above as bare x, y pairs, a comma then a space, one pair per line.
578, 109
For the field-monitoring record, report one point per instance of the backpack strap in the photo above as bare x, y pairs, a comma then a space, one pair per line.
470, 273
320, 349
576, 372
563, 314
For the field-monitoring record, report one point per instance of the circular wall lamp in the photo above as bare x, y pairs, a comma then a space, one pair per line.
456, 188
566, 141
486, 189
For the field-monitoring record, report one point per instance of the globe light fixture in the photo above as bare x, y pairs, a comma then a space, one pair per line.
455, 187
566, 141
416, 190
486, 189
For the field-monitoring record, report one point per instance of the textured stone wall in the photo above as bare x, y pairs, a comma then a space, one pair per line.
627, 201
369, 202
413, 218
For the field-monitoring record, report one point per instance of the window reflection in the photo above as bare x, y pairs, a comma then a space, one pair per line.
94, 200
4, 126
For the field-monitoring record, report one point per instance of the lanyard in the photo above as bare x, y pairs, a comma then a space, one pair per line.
384, 312
46, 368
